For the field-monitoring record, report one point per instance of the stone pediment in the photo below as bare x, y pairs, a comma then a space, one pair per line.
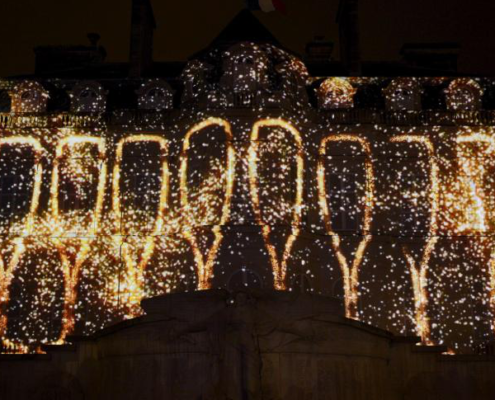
246, 345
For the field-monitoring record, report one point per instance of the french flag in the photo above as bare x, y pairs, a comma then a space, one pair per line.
266, 5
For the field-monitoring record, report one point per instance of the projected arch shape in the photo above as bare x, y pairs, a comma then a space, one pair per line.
7, 269
72, 263
204, 262
63, 148
164, 185
278, 262
419, 270
472, 172
38, 173
476, 210
350, 271
137, 257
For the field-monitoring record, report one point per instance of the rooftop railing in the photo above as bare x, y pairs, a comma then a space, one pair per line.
337, 117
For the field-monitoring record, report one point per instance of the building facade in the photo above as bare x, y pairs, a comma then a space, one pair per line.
246, 171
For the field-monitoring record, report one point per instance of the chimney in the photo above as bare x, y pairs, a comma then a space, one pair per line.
319, 51
348, 20
142, 29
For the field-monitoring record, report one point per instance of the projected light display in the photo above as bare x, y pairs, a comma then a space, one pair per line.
246, 186
90, 245
350, 273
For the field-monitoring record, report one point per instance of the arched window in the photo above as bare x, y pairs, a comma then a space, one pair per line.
87, 97
464, 94
335, 93
403, 94
244, 279
155, 95
29, 97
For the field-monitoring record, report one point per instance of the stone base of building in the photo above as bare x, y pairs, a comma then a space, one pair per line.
264, 345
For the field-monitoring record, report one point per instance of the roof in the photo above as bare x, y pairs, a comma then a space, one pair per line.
437, 47
245, 27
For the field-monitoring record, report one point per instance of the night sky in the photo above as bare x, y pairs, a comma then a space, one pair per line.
186, 26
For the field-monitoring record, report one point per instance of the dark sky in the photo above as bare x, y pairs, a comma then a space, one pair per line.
185, 26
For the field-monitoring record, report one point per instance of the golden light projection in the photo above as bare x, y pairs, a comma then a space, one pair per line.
74, 255
136, 255
350, 271
29, 97
419, 269
464, 94
279, 263
228, 194
7, 267
204, 262
403, 94
474, 165
472, 177
336, 93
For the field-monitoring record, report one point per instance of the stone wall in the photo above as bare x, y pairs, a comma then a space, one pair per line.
247, 345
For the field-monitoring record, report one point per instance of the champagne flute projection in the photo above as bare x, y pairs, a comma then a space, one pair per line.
136, 252
419, 269
473, 174
201, 210
16, 246
475, 204
350, 271
77, 220
269, 210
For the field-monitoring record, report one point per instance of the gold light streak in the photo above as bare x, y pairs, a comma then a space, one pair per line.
475, 214
419, 273
88, 261
71, 270
350, 273
7, 272
279, 264
204, 263
472, 183
136, 268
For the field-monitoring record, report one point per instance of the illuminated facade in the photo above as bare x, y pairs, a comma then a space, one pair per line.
249, 180
244, 171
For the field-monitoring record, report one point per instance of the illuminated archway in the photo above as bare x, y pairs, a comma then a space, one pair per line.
419, 273
350, 273
204, 263
279, 263
475, 211
135, 267
7, 271
72, 265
